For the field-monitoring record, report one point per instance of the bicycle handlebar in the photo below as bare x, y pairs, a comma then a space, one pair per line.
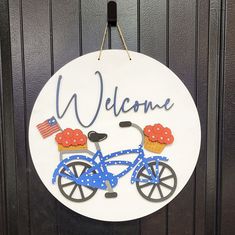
125, 124
128, 124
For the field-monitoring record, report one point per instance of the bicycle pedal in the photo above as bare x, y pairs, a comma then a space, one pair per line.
111, 194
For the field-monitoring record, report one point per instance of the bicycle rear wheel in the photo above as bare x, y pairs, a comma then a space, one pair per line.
70, 189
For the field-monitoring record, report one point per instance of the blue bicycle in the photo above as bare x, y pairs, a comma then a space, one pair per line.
80, 176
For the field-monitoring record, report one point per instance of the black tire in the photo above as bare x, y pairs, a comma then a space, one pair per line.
81, 196
146, 190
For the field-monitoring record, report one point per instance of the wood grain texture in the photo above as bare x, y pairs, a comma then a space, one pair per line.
228, 130
37, 57
8, 157
182, 51
17, 48
154, 29
94, 19
2, 176
66, 26
213, 115
201, 96
127, 19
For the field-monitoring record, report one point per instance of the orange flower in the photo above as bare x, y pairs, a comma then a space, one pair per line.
66, 142
160, 139
68, 132
157, 128
77, 133
71, 137
59, 138
153, 137
148, 130
75, 141
166, 131
169, 139
82, 140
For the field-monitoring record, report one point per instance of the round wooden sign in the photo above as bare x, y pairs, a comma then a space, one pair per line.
114, 139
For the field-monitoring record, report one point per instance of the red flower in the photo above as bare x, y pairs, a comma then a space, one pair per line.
68, 132
75, 141
169, 139
157, 128
71, 137
66, 142
77, 133
82, 139
59, 138
166, 131
160, 139
153, 137
148, 130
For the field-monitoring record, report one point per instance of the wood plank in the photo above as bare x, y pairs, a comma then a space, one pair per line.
182, 15
2, 176
155, 223
8, 157
36, 29
228, 135
15, 12
153, 29
127, 228
212, 127
94, 19
154, 42
201, 92
127, 19
66, 39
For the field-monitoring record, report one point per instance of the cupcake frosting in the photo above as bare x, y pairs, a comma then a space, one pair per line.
70, 137
158, 133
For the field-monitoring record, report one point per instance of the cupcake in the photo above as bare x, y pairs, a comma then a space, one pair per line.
71, 140
156, 137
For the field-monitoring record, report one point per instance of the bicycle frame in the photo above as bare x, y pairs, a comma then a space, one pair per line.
98, 180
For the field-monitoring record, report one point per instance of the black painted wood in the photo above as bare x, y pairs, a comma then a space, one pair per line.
188, 36
37, 70
213, 114
227, 135
201, 96
2, 176
182, 60
18, 76
8, 153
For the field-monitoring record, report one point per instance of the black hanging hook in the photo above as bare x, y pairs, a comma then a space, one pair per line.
112, 13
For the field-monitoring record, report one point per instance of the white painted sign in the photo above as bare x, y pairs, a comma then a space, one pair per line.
114, 139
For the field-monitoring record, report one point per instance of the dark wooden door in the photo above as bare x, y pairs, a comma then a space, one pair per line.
195, 38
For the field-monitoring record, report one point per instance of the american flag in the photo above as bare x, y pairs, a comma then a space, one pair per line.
48, 127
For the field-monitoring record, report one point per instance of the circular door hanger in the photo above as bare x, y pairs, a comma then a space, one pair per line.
114, 139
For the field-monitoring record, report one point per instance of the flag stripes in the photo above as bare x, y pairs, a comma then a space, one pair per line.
48, 127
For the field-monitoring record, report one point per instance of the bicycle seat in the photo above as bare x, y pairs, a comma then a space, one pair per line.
96, 137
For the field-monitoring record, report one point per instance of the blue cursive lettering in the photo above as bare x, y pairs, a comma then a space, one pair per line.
110, 105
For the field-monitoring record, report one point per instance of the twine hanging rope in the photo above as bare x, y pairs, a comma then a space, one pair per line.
121, 36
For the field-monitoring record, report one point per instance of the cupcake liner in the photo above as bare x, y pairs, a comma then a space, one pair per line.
154, 147
78, 147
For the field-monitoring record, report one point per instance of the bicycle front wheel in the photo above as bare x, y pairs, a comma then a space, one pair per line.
157, 192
